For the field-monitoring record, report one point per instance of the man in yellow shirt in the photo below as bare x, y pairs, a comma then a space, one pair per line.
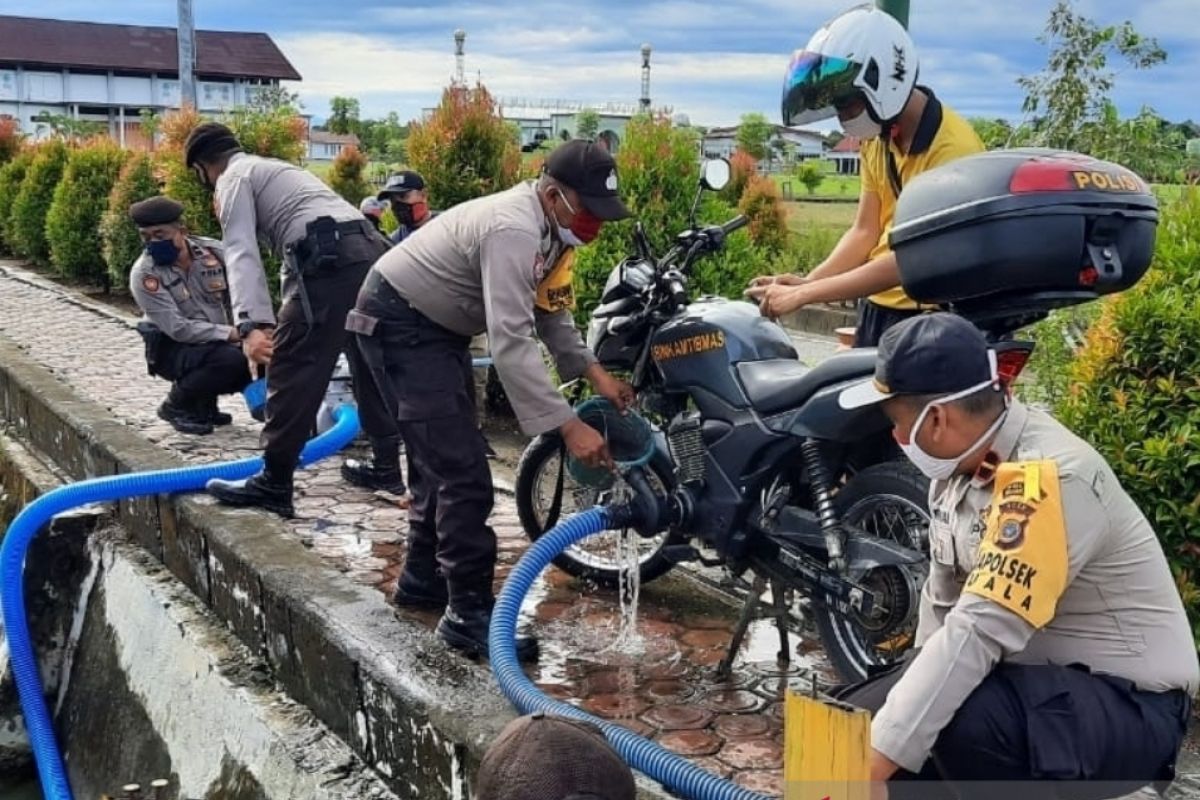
862, 67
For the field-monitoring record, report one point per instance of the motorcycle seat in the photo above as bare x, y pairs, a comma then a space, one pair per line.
781, 384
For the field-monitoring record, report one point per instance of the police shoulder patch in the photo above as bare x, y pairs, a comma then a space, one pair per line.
150, 283
1021, 563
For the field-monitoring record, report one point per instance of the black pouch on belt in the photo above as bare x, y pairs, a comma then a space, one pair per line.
322, 244
153, 339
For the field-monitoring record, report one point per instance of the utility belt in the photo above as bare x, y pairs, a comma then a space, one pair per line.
317, 253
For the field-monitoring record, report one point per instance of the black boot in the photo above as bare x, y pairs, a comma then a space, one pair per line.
371, 475
215, 415
184, 419
465, 625
422, 584
261, 491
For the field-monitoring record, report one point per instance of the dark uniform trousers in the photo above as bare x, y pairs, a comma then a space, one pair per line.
425, 371
200, 372
304, 355
1043, 732
874, 319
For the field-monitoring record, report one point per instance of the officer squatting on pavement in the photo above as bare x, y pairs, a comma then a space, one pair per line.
326, 247
179, 285
500, 264
1052, 644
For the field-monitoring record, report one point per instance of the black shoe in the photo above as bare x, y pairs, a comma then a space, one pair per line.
368, 476
258, 492
183, 420
467, 631
414, 591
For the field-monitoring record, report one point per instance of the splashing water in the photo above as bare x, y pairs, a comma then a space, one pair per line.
629, 640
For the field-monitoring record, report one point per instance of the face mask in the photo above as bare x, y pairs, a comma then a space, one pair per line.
942, 469
862, 127
409, 214
163, 251
583, 230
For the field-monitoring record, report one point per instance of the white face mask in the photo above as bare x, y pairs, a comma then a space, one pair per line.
566, 235
862, 127
943, 469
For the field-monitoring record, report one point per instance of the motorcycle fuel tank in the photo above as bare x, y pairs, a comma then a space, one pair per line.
700, 347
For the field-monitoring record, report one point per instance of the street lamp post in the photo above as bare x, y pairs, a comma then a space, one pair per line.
897, 8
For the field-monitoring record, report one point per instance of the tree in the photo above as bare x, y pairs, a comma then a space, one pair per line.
274, 98
1076, 83
73, 219
343, 115
347, 175
810, 174
753, 135
150, 124
10, 139
762, 205
27, 231
464, 149
742, 167
1147, 144
120, 243
587, 124
64, 126
994, 133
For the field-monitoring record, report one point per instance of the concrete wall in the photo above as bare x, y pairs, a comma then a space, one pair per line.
419, 716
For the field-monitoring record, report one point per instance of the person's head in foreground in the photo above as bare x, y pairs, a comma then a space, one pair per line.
541, 757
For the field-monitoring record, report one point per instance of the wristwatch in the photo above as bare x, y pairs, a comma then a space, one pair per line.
244, 328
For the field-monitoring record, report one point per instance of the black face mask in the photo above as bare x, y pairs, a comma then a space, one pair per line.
163, 251
403, 213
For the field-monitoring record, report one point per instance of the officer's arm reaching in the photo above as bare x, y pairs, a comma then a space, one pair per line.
248, 293
159, 306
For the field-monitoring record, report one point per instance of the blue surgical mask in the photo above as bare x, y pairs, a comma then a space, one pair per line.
163, 251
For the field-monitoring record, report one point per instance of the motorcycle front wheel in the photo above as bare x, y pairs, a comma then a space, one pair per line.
595, 558
890, 501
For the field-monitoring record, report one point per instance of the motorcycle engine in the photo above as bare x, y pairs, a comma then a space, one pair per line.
687, 447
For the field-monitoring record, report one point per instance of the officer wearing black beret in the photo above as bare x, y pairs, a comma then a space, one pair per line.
179, 284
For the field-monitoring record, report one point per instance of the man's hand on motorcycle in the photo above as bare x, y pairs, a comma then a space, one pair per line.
615, 390
786, 279
259, 346
586, 444
776, 300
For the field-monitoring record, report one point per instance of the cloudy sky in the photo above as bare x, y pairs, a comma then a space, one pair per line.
712, 60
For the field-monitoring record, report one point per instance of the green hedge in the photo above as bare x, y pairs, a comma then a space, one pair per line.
28, 222
1135, 392
119, 238
11, 176
73, 219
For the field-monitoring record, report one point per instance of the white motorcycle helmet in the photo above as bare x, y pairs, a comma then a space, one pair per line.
864, 52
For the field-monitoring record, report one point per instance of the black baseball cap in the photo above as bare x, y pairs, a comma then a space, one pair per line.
931, 354
550, 757
401, 182
589, 169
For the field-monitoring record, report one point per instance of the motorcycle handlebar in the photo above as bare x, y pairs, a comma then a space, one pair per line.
677, 291
737, 223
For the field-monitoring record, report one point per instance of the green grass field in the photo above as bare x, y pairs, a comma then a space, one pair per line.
841, 187
804, 216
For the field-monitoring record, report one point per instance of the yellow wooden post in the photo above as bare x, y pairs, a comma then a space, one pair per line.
827, 749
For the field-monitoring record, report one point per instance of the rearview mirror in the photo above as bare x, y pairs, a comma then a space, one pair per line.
715, 174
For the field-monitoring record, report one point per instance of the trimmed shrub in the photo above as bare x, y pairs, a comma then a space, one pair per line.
179, 182
743, 167
119, 238
811, 174
73, 220
1135, 393
465, 149
763, 206
28, 223
11, 176
347, 176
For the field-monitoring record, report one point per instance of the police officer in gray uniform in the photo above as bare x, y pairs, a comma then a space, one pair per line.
179, 284
326, 247
1053, 644
500, 264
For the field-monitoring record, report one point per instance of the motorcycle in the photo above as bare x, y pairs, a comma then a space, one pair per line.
754, 459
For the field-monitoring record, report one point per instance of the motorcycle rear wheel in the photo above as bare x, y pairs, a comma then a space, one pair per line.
889, 500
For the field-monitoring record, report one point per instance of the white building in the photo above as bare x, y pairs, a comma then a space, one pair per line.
800, 144
326, 146
109, 73
845, 156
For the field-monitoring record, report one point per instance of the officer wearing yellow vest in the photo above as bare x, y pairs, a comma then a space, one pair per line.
1052, 642
500, 264
862, 66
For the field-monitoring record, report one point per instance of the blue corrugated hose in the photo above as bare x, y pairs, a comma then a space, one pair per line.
675, 773
37, 514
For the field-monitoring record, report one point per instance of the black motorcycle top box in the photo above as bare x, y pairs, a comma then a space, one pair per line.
1023, 230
